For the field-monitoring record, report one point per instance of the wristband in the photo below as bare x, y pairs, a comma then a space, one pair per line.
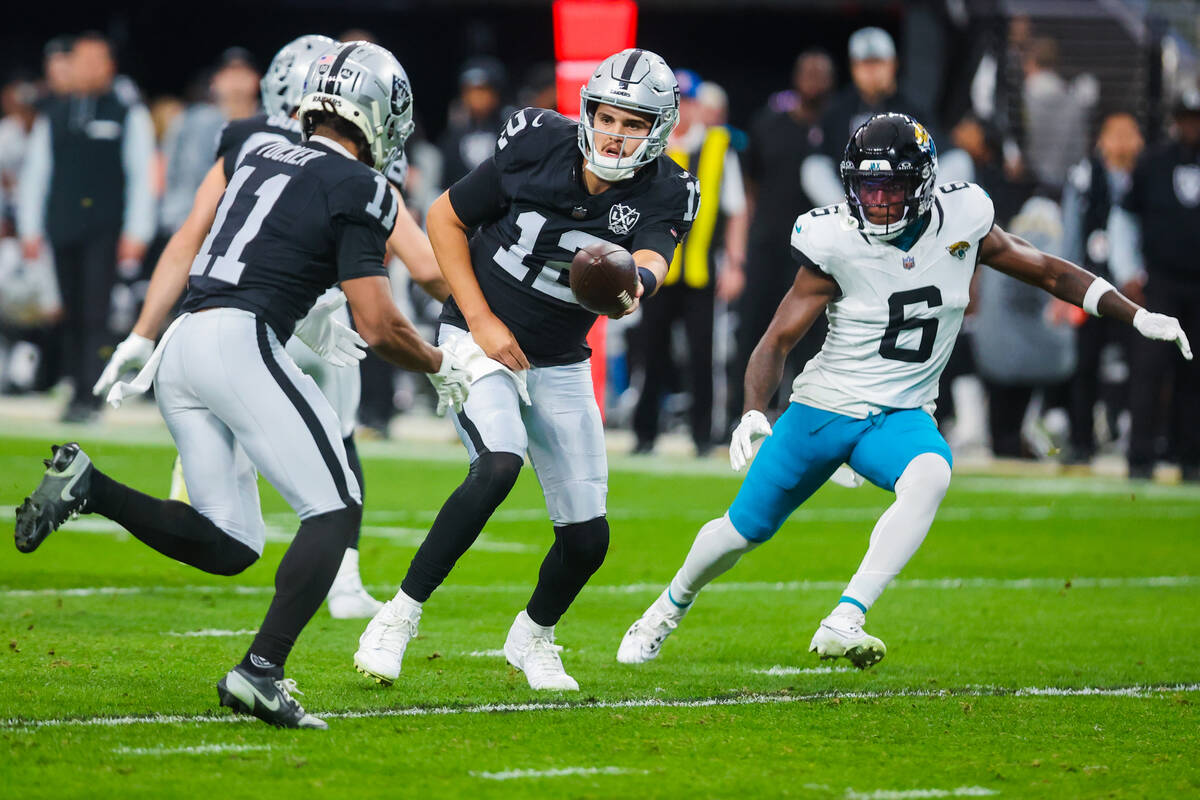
1091, 297
649, 282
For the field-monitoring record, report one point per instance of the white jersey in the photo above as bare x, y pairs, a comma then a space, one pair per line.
892, 327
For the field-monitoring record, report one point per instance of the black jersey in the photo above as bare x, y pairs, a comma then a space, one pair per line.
1165, 196
242, 135
294, 220
534, 211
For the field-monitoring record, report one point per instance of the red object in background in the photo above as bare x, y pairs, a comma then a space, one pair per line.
585, 33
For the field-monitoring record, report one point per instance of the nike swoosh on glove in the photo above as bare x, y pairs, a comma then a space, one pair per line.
1162, 328
754, 426
328, 338
130, 354
451, 382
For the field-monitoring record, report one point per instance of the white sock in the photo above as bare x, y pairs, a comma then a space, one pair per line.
537, 630
900, 531
347, 577
404, 599
717, 547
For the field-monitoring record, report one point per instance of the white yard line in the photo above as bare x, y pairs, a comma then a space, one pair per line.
487, 653
202, 749
781, 670
706, 702
562, 772
217, 632
1143, 582
911, 794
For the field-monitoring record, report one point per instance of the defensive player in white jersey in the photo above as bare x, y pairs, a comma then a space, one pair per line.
891, 268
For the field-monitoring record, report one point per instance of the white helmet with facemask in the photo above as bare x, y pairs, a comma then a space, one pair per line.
633, 80
283, 84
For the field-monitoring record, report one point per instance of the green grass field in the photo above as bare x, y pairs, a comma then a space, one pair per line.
1045, 642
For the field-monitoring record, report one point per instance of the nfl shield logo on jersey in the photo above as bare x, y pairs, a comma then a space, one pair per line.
909, 263
1187, 185
621, 219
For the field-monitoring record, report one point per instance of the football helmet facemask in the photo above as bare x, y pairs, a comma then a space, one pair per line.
634, 80
890, 160
283, 83
364, 84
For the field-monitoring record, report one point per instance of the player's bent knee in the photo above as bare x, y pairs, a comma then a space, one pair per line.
494, 474
234, 558
584, 544
928, 474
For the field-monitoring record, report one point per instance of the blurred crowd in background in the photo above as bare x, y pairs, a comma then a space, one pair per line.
1055, 140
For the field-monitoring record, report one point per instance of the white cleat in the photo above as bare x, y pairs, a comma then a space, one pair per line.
842, 636
537, 656
381, 647
352, 604
646, 635
347, 597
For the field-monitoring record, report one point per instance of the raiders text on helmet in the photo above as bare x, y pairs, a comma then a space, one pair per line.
283, 84
364, 84
889, 152
634, 80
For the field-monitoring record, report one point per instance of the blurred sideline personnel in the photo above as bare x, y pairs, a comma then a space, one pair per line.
780, 141
470, 136
1094, 187
86, 189
873, 90
282, 88
1156, 237
294, 220
553, 186
717, 239
892, 265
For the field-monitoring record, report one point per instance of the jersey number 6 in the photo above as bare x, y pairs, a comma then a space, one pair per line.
888, 346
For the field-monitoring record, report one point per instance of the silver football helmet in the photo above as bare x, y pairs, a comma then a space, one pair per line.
364, 84
635, 80
283, 84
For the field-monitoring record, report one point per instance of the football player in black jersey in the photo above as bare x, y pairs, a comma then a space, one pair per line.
294, 220
282, 87
553, 186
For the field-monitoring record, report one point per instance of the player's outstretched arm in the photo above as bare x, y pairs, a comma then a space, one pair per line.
1014, 256
410, 244
385, 329
167, 282
448, 236
804, 302
170, 275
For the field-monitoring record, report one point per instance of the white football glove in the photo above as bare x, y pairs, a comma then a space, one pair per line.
846, 476
1162, 328
328, 338
130, 354
754, 426
451, 382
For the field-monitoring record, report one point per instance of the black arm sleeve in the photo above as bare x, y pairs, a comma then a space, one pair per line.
660, 241
478, 196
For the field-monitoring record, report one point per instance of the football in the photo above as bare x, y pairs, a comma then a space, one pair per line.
604, 278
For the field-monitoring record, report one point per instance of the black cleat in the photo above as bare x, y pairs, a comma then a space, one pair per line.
265, 697
62, 494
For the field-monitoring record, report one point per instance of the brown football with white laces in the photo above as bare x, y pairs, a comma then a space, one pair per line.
604, 278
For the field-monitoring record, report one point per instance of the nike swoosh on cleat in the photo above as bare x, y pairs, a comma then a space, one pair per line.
66, 494
273, 705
